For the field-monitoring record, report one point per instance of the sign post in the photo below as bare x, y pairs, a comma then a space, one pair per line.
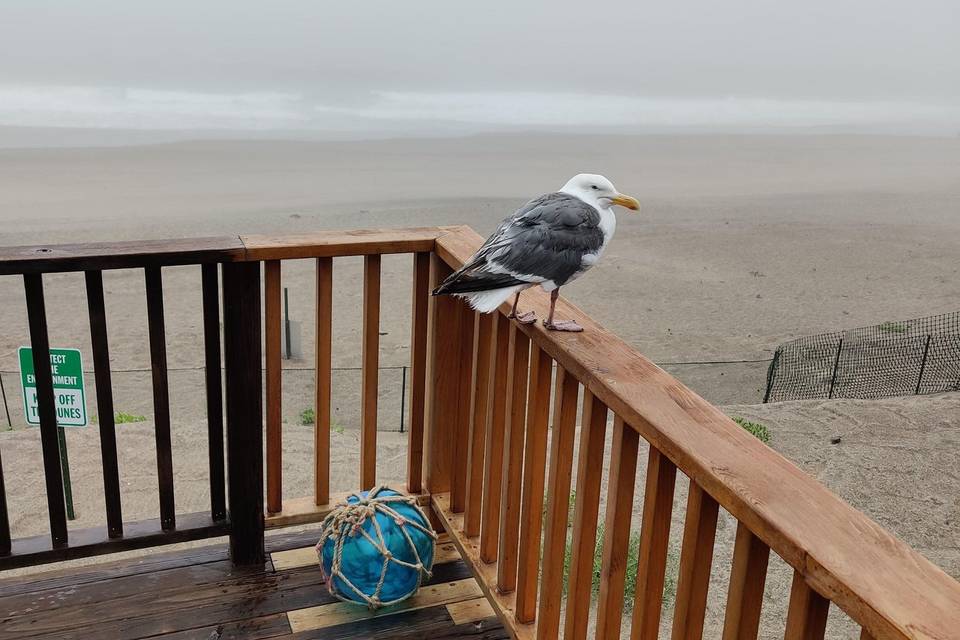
70, 400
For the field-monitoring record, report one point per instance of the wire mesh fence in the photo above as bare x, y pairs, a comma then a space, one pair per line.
133, 396
909, 357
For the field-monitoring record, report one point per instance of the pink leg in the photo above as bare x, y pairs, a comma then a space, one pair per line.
559, 325
524, 318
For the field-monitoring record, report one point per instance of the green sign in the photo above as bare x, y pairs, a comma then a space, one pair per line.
68, 393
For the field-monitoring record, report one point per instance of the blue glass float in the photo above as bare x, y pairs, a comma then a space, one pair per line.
376, 548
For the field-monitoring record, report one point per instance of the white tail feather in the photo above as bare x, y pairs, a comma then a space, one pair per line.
487, 301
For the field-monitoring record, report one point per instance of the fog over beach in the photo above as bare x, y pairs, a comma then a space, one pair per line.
798, 169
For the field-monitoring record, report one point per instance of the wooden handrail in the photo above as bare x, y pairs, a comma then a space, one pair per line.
243, 248
839, 552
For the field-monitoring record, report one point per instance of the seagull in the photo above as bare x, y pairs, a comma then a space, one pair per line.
550, 241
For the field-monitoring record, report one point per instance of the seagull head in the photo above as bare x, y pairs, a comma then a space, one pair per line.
598, 191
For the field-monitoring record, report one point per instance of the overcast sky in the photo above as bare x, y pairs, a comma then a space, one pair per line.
308, 62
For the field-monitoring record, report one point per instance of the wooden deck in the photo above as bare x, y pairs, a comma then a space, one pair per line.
198, 593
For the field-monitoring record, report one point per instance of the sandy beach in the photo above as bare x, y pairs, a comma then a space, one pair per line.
742, 242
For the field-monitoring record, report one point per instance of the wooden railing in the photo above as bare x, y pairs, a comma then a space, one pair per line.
480, 415
487, 473
236, 509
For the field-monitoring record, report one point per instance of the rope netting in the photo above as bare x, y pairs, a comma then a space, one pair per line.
909, 357
356, 519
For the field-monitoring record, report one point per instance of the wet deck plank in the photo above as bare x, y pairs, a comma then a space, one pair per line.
198, 593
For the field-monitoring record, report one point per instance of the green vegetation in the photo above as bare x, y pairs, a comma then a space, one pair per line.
121, 417
757, 429
308, 417
894, 327
633, 556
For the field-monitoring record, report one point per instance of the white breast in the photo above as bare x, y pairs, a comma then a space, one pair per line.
608, 225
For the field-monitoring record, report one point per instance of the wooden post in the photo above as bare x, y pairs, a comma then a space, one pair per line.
161, 396
807, 613
418, 364
214, 386
371, 369
558, 503
699, 532
321, 422
101, 370
494, 445
512, 480
589, 468
622, 475
745, 593
443, 387
39, 341
654, 538
534, 465
271, 298
484, 352
244, 386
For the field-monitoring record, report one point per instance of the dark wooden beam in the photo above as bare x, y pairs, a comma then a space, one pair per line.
244, 393
40, 343
214, 384
101, 369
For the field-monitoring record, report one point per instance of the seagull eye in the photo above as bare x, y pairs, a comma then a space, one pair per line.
594, 187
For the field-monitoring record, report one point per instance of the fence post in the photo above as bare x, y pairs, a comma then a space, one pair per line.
244, 393
836, 363
771, 374
923, 364
6, 407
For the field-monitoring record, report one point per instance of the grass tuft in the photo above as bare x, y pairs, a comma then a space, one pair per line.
757, 429
308, 417
893, 327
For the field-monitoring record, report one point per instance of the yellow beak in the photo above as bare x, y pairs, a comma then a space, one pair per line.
626, 201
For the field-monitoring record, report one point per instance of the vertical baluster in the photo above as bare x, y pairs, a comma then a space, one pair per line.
462, 416
418, 362
535, 452
517, 375
271, 300
558, 503
214, 386
493, 445
321, 421
747, 578
443, 379
654, 537
584, 540
161, 395
807, 615
101, 370
242, 351
39, 341
622, 476
485, 335
696, 557
370, 372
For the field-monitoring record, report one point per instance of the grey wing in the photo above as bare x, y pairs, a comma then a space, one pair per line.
545, 239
